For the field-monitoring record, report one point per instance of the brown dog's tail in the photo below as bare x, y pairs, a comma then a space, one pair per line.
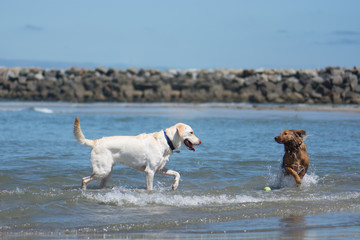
80, 136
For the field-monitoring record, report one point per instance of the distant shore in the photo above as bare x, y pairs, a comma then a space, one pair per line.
332, 85
58, 106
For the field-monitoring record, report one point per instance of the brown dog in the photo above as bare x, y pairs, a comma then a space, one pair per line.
295, 160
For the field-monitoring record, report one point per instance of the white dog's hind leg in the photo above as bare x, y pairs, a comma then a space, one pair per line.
102, 164
175, 174
104, 180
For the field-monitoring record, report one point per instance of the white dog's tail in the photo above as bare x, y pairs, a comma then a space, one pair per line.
80, 136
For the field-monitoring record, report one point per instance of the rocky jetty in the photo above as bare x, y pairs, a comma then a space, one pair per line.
332, 85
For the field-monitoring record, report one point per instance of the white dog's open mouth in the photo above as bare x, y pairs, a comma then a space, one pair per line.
189, 145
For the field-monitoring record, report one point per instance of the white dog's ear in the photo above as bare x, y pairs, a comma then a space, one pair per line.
171, 131
175, 134
180, 129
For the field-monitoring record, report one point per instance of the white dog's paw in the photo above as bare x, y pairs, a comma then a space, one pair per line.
175, 186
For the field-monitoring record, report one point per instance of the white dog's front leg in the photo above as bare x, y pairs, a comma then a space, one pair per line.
86, 180
175, 174
149, 179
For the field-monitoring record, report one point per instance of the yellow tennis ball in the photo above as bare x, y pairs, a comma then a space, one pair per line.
267, 188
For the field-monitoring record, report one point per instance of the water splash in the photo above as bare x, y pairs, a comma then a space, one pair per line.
279, 180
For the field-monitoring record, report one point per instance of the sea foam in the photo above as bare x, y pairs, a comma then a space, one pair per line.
43, 110
142, 198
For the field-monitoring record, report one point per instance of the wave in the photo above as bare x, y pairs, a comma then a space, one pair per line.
43, 110
133, 198
8, 109
24, 107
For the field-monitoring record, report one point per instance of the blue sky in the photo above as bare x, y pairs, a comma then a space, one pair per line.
181, 34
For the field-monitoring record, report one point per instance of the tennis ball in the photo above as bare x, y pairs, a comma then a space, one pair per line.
267, 188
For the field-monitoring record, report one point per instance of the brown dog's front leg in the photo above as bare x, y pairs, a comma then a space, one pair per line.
296, 176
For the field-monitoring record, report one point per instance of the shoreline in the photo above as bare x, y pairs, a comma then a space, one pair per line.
240, 106
270, 227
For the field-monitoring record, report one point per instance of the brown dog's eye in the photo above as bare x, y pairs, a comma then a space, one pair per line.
285, 134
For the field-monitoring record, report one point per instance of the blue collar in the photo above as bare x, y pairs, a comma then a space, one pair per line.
169, 142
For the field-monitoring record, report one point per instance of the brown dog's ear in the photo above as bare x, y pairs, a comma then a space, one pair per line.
180, 129
300, 132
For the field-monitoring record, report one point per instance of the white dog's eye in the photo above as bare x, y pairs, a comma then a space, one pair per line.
191, 133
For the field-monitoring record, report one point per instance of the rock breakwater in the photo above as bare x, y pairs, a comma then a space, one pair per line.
330, 85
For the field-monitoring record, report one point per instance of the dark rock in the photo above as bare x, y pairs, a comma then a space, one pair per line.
101, 70
12, 76
132, 71
275, 78
257, 97
322, 90
335, 98
330, 85
352, 80
334, 70
293, 98
274, 98
351, 97
111, 72
247, 73
72, 71
317, 80
336, 80
288, 72
315, 95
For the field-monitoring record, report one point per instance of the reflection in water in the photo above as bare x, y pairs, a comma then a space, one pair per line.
294, 227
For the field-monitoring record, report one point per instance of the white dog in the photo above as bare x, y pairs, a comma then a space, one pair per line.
144, 152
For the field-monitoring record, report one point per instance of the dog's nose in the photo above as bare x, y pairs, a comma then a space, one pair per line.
200, 141
275, 138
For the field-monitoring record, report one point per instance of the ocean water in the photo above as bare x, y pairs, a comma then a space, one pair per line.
220, 195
